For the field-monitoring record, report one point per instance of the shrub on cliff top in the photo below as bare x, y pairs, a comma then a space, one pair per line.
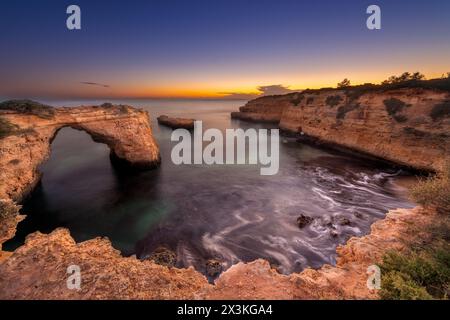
122, 108
440, 111
434, 192
423, 271
418, 275
29, 107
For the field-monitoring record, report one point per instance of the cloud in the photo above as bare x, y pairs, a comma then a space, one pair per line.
239, 95
274, 90
270, 90
95, 84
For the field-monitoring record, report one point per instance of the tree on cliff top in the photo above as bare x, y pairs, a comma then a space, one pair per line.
344, 83
405, 76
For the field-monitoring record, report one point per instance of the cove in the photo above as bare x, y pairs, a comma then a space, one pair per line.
202, 212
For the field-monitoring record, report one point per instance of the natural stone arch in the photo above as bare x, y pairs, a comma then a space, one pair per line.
125, 130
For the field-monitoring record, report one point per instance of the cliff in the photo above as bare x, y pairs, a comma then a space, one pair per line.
26, 145
408, 126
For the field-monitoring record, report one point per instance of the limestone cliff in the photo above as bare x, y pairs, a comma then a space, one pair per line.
125, 130
408, 126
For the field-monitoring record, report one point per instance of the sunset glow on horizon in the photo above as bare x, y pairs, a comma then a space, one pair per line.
228, 49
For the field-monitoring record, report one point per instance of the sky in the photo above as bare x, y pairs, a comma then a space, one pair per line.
215, 48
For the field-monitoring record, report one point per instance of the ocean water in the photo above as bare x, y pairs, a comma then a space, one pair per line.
229, 213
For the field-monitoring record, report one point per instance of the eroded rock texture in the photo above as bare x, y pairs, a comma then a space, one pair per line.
409, 126
38, 270
124, 129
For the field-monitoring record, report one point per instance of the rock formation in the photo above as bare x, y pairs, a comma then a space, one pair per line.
124, 129
176, 123
407, 126
38, 270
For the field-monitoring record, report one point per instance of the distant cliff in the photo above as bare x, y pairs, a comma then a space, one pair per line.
407, 125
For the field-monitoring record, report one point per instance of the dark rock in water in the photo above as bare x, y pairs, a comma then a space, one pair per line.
213, 267
163, 256
344, 221
176, 123
334, 233
303, 221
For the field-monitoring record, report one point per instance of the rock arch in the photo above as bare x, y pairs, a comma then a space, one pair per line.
124, 129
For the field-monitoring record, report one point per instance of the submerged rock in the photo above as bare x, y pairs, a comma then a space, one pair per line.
163, 256
303, 221
176, 123
213, 267
344, 221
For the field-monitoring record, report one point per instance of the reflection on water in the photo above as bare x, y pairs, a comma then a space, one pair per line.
230, 213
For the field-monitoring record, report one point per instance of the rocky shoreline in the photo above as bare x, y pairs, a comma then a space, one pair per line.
108, 275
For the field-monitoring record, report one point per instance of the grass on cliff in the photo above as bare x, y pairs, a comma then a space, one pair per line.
434, 192
423, 271
29, 107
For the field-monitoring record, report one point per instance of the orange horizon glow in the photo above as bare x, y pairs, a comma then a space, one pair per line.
244, 88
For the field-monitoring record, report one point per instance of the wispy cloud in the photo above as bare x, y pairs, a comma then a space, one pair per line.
95, 84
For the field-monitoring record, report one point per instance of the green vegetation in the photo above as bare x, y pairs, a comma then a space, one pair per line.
29, 107
434, 192
423, 272
440, 111
417, 275
333, 101
344, 84
343, 110
404, 81
122, 108
404, 77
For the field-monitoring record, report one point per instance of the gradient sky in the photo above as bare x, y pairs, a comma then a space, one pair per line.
214, 48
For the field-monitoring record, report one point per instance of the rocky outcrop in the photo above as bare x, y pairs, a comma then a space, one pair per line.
176, 123
38, 270
408, 126
125, 130
265, 109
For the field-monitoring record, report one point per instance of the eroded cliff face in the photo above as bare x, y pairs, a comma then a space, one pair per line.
265, 109
124, 129
408, 126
